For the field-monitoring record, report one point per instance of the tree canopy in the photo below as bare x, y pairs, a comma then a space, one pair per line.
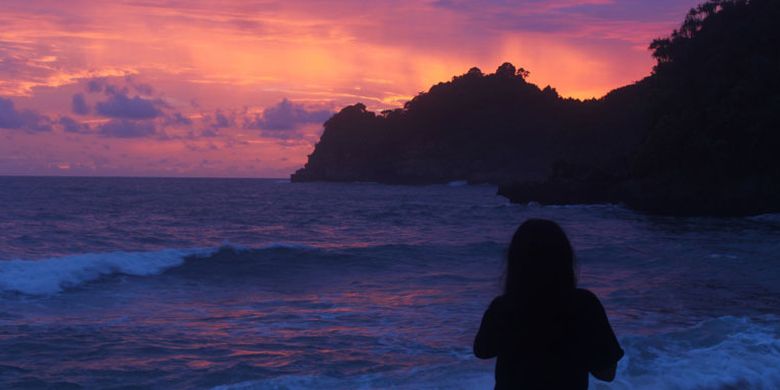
700, 134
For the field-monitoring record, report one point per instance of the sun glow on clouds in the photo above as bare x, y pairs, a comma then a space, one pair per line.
205, 74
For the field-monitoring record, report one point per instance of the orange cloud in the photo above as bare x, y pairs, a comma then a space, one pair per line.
246, 56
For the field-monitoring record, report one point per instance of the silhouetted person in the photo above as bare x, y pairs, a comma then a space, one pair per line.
546, 332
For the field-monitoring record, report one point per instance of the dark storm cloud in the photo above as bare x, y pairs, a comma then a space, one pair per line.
212, 123
124, 128
142, 88
96, 85
626, 20
29, 120
177, 119
120, 105
79, 104
222, 120
70, 125
285, 118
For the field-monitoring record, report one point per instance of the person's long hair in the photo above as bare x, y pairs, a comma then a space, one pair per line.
540, 267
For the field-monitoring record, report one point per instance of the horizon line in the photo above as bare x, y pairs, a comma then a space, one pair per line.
142, 177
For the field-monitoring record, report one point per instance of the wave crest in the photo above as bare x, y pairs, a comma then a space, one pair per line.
53, 275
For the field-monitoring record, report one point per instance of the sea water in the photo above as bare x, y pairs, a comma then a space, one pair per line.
243, 284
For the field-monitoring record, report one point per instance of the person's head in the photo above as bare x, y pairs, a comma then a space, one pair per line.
540, 261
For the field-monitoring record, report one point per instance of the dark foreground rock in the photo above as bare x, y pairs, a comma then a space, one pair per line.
673, 197
562, 192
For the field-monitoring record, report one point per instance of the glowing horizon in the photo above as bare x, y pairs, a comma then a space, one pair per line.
175, 88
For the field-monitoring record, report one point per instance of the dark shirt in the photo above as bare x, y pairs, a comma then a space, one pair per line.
549, 345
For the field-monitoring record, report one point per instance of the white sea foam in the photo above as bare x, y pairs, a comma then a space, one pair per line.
50, 276
723, 353
727, 352
767, 218
459, 380
53, 275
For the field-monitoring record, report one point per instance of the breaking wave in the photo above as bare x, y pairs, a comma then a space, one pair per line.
53, 275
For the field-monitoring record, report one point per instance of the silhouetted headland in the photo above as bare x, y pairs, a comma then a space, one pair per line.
699, 136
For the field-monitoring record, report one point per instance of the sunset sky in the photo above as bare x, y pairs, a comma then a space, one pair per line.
241, 88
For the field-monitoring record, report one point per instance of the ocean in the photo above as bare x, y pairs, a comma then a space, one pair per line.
262, 284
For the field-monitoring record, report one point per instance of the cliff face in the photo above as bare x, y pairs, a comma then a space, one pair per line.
700, 136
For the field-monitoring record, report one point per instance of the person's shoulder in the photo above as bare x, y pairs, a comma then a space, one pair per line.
500, 301
586, 298
503, 304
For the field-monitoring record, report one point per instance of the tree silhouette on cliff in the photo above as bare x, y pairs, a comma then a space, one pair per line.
715, 95
481, 127
700, 135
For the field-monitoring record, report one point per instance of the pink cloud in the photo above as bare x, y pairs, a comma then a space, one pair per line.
241, 60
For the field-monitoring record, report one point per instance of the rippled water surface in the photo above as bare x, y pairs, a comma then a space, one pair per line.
206, 283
